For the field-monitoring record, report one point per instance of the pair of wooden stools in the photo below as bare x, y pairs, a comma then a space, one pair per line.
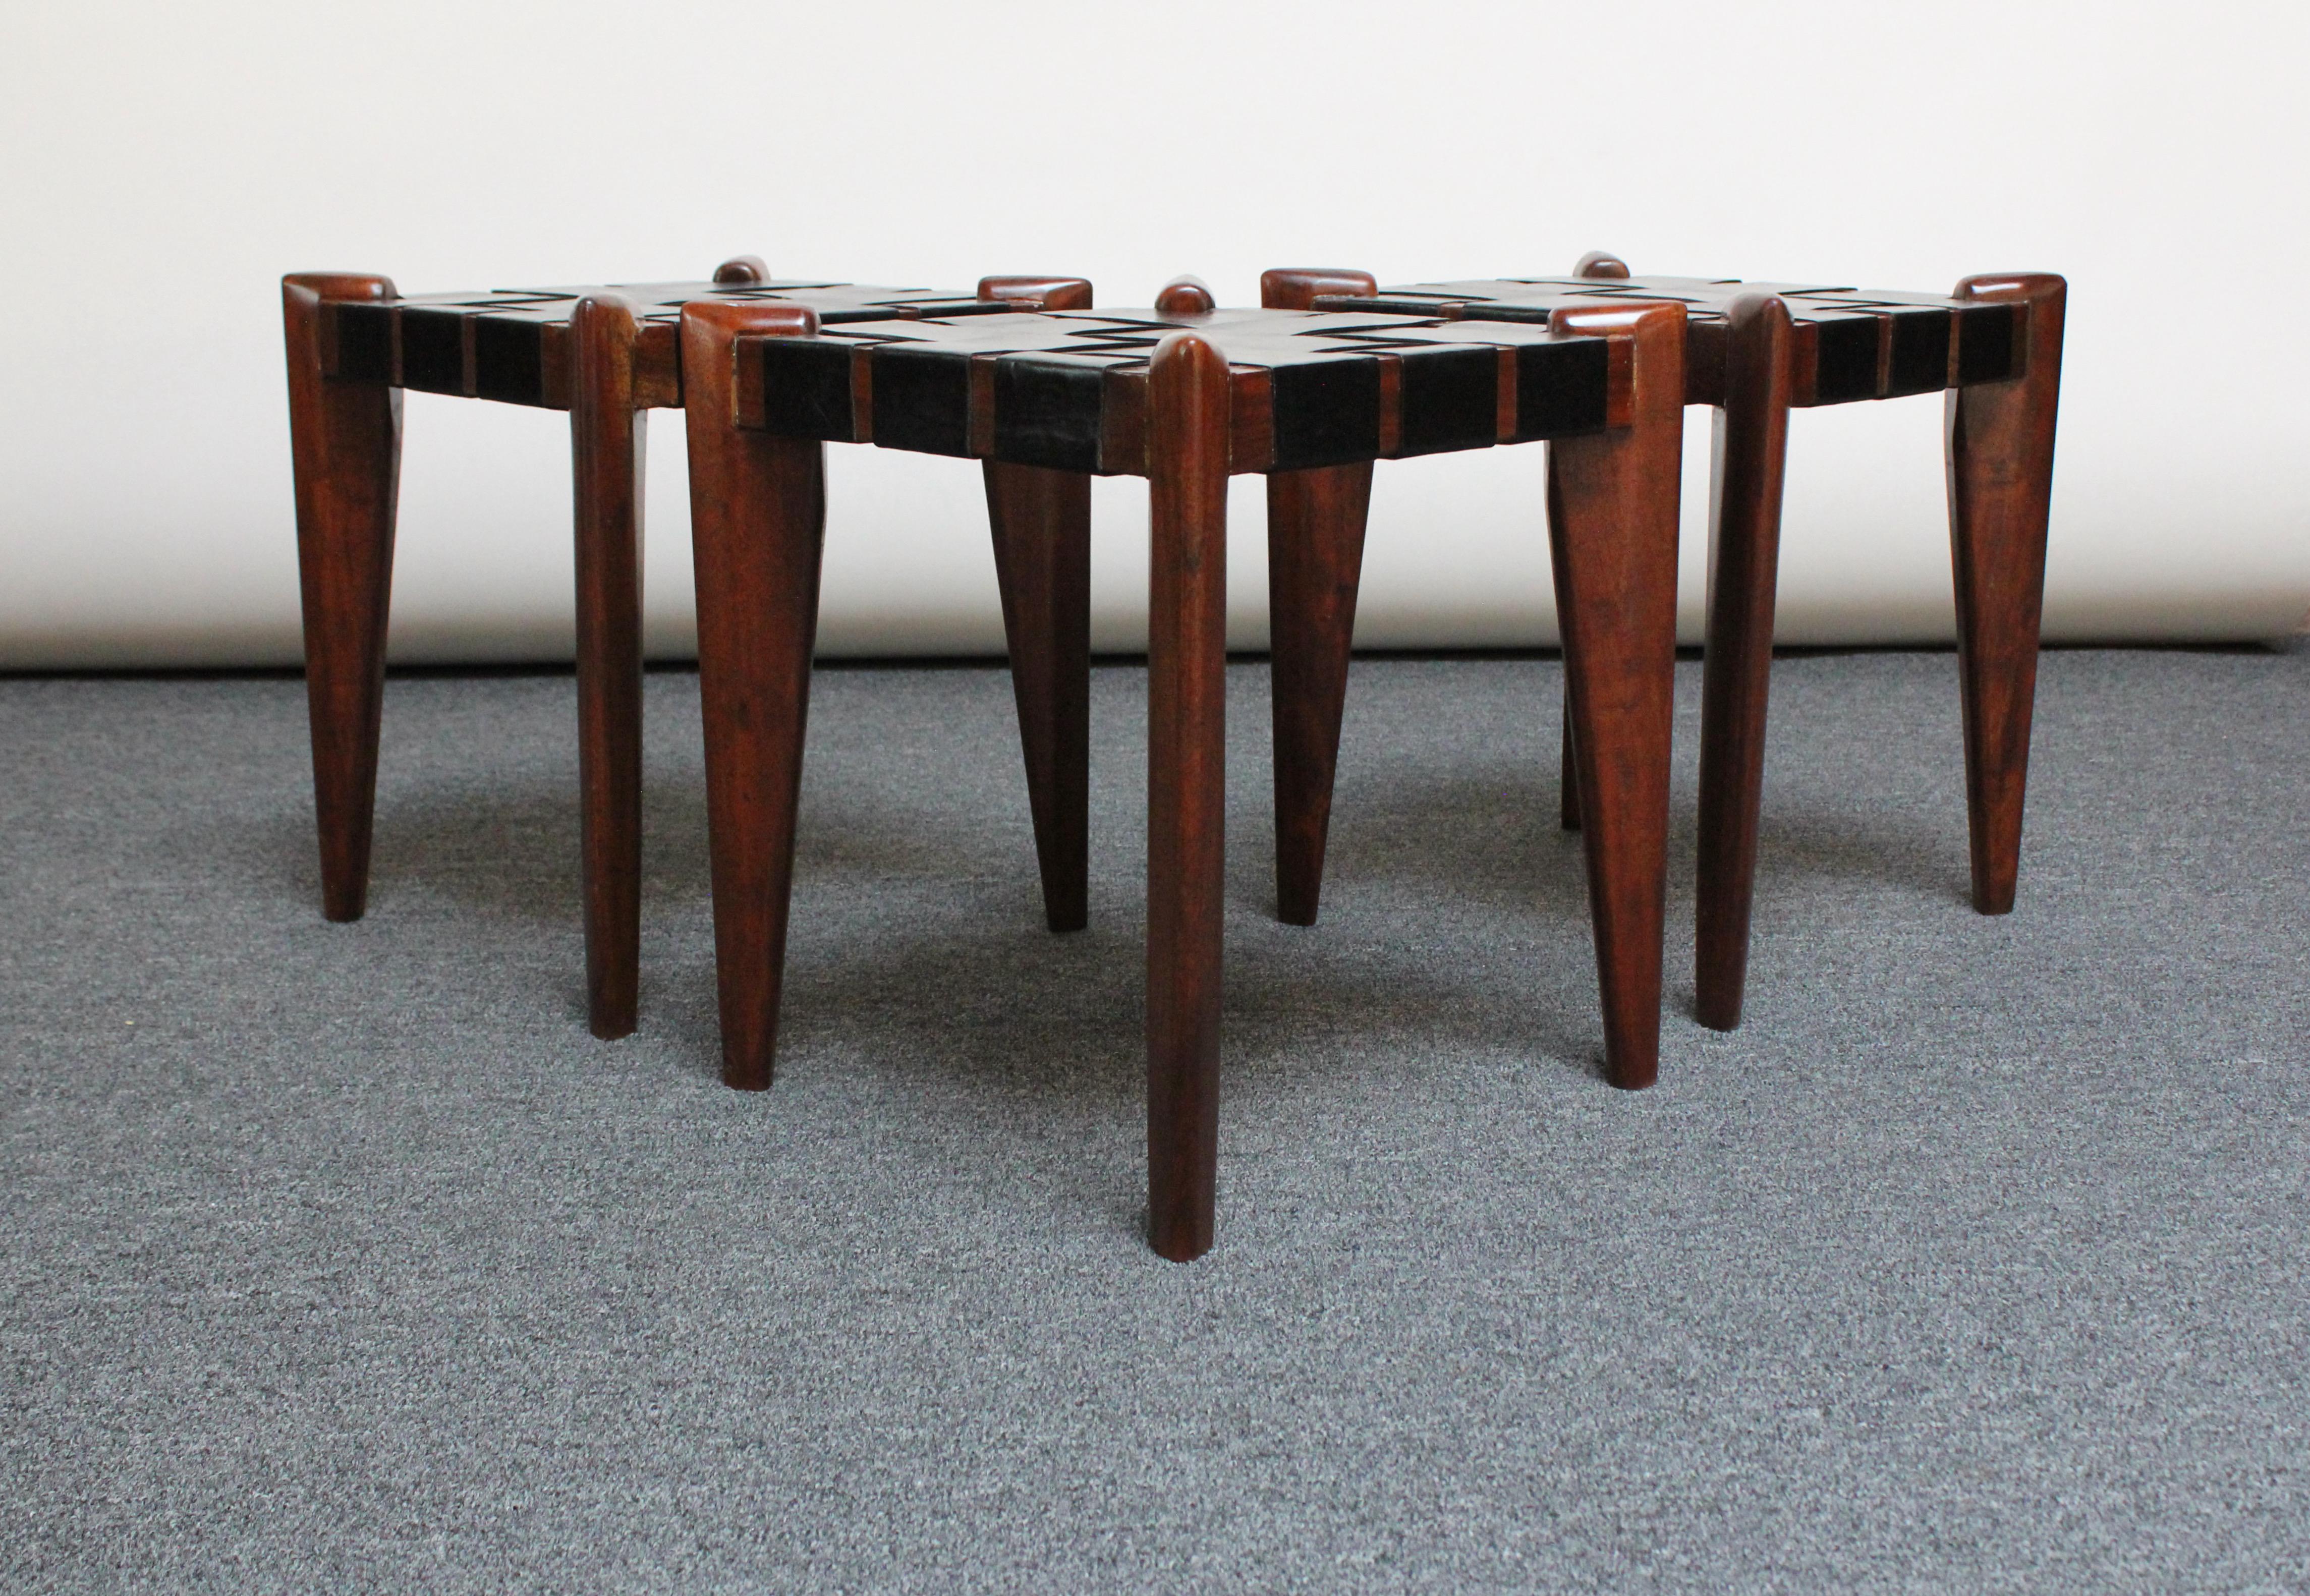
1330, 375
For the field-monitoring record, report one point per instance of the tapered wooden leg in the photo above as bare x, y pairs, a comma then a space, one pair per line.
345, 447
1315, 522
2001, 478
1187, 405
1041, 523
1752, 439
1598, 265
757, 523
607, 432
1613, 521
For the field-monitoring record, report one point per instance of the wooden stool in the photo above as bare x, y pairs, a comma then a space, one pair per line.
607, 356
1183, 394
1756, 350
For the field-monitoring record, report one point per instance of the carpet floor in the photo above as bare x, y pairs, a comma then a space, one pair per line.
340, 1256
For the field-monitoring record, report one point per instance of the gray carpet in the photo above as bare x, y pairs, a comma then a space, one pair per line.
341, 1257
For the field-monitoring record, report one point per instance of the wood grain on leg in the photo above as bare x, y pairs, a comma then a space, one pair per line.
1752, 438
1040, 520
2001, 478
345, 448
1315, 525
1315, 522
607, 432
1597, 266
1187, 415
757, 523
1612, 524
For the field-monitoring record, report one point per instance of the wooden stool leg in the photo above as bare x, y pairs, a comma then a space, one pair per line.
2001, 477
1315, 522
1613, 521
607, 433
1041, 524
1752, 439
1597, 265
1187, 405
345, 445
757, 524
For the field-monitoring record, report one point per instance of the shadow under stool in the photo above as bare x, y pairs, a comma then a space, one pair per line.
608, 356
1755, 350
1183, 394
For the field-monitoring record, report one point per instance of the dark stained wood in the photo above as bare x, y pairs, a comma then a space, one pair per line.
1038, 293
1189, 407
1599, 265
758, 523
1185, 296
1315, 522
1315, 525
1752, 436
1151, 391
1296, 288
607, 433
1612, 524
742, 268
344, 436
1040, 520
2001, 477
1847, 343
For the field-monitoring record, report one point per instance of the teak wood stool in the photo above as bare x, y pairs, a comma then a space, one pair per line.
1185, 395
607, 356
1755, 350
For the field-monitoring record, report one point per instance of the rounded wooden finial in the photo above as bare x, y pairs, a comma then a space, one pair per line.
1185, 296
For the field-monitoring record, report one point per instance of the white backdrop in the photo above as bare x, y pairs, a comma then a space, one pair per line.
165, 165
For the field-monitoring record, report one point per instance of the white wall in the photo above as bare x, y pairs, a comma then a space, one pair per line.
165, 165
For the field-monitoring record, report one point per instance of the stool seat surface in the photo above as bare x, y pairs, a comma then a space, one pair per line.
1067, 389
1852, 343
511, 345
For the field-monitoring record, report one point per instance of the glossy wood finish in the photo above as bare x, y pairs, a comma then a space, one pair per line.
1998, 357
2001, 476
1188, 404
1150, 392
1185, 296
1752, 452
1612, 525
345, 447
1315, 522
1030, 292
758, 523
1315, 525
1040, 521
1595, 265
607, 434
606, 356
